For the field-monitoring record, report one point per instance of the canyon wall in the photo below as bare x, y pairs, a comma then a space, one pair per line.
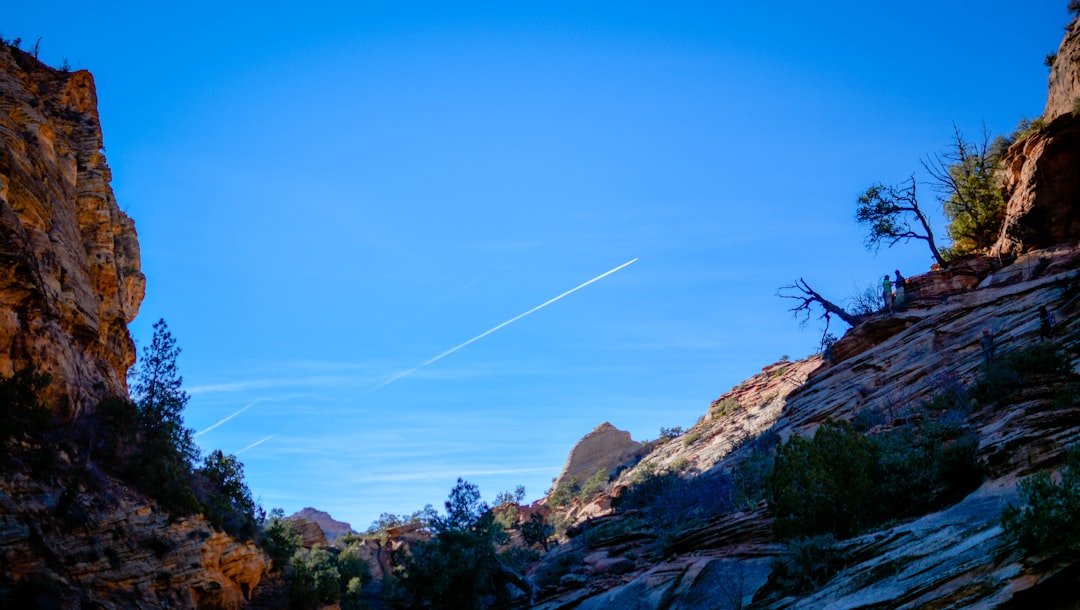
70, 277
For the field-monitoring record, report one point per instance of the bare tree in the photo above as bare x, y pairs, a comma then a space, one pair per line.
888, 211
807, 300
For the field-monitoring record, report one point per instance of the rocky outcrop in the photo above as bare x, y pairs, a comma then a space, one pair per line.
606, 447
955, 557
94, 543
71, 278
331, 527
1041, 172
311, 535
1065, 76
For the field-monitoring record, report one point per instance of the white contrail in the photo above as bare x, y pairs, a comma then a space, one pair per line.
261, 441
205, 430
394, 378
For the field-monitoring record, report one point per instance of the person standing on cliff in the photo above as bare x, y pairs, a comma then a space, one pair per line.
899, 284
886, 293
1046, 323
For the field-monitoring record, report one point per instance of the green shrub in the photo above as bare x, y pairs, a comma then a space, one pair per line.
315, 580
564, 493
594, 485
280, 539
691, 438
728, 406
751, 477
1013, 370
825, 484
1048, 519
841, 482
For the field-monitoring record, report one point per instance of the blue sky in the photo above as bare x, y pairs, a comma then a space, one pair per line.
329, 195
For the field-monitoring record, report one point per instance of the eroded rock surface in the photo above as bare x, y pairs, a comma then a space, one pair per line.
97, 544
70, 277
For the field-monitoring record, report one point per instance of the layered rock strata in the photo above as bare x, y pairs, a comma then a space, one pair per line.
70, 277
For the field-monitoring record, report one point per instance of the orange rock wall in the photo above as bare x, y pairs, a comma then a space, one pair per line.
70, 277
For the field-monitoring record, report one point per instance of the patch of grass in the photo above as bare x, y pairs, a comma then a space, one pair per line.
725, 407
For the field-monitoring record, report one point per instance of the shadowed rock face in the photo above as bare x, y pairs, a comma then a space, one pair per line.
70, 278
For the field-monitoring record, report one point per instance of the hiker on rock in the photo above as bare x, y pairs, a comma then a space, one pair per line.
899, 295
886, 293
1046, 323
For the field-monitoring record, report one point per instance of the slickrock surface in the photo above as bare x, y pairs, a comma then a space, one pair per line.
70, 279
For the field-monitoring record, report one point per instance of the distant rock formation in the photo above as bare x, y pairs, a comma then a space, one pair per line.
70, 277
331, 528
605, 447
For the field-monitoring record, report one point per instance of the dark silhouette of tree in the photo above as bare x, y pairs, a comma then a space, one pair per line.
459, 568
808, 300
227, 500
888, 212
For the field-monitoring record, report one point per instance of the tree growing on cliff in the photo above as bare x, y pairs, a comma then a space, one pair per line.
166, 454
888, 213
226, 499
970, 192
157, 390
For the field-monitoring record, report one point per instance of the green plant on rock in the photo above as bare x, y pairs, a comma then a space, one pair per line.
727, 406
1048, 518
594, 485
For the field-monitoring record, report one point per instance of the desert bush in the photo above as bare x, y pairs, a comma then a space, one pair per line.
728, 406
594, 485
691, 437
809, 563
841, 482
564, 493
1048, 519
